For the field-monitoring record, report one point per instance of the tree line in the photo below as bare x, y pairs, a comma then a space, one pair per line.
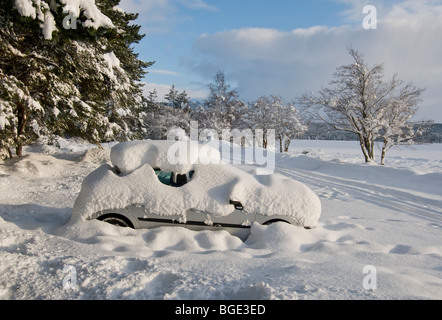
70, 70
222, 110
358, 101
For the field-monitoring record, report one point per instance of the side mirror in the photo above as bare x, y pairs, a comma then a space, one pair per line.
238, 205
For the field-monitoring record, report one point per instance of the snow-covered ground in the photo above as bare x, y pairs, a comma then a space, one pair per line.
380, 227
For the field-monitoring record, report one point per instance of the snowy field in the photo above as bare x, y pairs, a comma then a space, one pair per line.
379, 235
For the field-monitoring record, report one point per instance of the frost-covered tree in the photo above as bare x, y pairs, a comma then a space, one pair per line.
261, 117
23, 75
67, 68
176, 99
126, 96
273, 113
398, 125
158, 118
360, 101
17, 106
222, 109
288, 124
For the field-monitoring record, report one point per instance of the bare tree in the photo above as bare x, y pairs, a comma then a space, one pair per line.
358, 100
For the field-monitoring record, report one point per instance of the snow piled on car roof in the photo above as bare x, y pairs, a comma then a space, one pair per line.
210, 190
170, 156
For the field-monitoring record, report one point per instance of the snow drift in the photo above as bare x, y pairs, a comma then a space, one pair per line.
393, 223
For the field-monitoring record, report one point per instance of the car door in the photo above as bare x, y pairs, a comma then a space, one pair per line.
147, 219
238, 223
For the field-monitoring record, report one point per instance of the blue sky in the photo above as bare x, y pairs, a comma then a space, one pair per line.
287, 47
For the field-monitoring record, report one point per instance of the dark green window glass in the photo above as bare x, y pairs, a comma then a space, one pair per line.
164, 177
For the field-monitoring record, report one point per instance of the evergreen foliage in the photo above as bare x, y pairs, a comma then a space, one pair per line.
67, 68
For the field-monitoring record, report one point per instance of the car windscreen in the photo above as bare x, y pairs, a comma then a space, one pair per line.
164, 177
169, 179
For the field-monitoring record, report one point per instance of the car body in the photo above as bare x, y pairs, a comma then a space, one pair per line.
141, 189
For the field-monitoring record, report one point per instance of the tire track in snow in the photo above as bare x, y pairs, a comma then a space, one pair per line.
391, 198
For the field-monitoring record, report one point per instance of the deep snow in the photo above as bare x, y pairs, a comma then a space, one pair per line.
385, 217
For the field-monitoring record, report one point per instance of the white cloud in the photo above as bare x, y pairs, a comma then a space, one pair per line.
196, 4
161, 16
266, 61
164, 72
162, 89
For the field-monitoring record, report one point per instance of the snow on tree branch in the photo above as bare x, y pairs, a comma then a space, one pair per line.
43, 10
360, 101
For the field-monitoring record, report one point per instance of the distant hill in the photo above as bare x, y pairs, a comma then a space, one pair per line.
433, 135
323, 131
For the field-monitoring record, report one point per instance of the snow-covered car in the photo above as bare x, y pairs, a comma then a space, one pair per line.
146, 187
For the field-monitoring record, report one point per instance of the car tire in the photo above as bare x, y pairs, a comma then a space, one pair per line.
274, 221
117, 220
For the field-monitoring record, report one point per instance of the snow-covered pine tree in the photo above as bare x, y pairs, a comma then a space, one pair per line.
176, 99
158, 117
67, 68
22, 73
130, 103
163, 118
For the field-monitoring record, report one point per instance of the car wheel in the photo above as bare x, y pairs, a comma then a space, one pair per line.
274, 221
117, 220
